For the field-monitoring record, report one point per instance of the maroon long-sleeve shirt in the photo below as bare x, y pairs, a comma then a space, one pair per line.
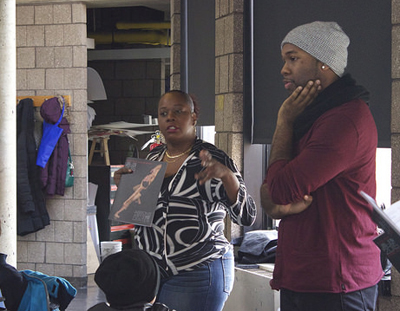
329, 247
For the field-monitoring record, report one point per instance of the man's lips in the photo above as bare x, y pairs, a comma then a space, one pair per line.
288, 84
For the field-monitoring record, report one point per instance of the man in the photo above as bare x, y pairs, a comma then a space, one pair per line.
322, 155
130, 280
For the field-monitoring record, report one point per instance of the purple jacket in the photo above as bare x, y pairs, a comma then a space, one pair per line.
53, 174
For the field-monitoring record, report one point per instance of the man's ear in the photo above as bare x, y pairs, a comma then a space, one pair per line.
325, 67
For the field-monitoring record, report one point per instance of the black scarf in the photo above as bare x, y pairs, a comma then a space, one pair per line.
341, 91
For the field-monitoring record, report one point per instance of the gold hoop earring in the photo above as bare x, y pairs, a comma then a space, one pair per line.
162, 138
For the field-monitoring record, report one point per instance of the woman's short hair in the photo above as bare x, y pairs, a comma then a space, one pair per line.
190, 99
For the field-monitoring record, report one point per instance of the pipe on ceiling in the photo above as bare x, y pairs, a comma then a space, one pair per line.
132, 37
145, 26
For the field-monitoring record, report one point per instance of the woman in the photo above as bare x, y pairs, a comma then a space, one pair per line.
201, 185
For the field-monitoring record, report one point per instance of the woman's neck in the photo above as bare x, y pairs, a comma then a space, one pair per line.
178, 148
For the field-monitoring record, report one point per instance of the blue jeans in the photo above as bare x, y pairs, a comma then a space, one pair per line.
204, 289
360, 300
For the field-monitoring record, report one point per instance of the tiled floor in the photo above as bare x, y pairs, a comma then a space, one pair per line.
86, 297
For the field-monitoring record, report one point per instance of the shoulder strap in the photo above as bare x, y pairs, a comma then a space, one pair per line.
62, 112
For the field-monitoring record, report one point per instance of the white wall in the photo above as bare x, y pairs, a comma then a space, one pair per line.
252, 292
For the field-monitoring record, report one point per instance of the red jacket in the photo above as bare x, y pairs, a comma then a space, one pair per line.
329, 247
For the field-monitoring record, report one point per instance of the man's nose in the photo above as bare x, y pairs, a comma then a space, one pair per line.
284, 70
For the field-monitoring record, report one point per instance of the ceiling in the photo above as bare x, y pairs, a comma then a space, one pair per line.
103, 15
161, 5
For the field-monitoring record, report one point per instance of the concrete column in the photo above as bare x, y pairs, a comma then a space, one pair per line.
175, 71
8, 189
229, 87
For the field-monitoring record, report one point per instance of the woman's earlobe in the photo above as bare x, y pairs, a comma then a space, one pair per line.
194, 116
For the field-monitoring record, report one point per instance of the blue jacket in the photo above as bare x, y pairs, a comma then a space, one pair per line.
43, 289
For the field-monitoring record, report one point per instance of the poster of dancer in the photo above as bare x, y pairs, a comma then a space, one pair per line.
137, 193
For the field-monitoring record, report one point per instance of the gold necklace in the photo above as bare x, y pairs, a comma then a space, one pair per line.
178, 155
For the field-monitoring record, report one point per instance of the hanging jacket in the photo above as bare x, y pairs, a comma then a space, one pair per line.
54, 173
31, 205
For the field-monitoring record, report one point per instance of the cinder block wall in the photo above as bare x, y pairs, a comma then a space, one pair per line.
133, 89
51, 61
229, 85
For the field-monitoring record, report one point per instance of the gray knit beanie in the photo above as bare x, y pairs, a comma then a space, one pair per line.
326, 41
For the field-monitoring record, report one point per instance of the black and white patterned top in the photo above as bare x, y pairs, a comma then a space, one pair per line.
188, 225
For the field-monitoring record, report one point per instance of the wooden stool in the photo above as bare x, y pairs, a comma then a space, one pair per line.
103, 141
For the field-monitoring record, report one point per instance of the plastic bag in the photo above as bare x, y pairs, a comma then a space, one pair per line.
50, 137
69, 178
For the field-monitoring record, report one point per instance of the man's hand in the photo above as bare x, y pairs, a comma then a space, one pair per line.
276, 211
291, 108
298, 207
295, 104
